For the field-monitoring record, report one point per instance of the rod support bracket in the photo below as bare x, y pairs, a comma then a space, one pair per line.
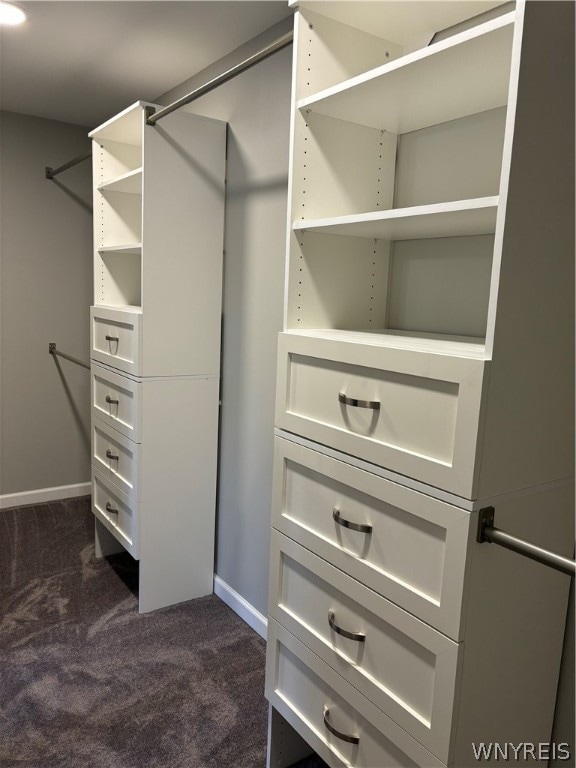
49, 172
148, 112
51, 347
485, 520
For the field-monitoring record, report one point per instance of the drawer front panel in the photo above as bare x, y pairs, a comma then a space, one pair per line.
116, 457
323, 708
411, 548
115, 338
414, 413
401, 664
116, 401
116, 511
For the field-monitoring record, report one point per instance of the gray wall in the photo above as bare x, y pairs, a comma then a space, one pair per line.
45, 292
256, 104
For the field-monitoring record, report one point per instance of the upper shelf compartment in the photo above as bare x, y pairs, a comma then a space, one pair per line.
403, 22
463, 75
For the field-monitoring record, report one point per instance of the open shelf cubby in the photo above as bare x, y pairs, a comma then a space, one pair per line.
429, 287
118, 277
347, 39
118, 177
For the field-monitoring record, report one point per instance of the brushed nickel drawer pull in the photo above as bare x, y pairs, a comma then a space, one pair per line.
110, 508
358, 636
111, 400
343, 736
110, 455
361, 527
373, 404
112, 338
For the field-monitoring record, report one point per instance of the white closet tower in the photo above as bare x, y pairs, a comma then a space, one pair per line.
155, 346
425, 372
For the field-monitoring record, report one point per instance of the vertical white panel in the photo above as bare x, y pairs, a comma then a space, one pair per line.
337, 282
342, 167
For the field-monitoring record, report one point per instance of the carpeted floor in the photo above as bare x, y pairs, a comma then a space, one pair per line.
87, 682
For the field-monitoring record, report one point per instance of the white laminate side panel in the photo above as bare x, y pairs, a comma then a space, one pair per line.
178, 489
118, 513
116, 338
529, 432
426, 424
324, 268
116, 457
301, 687
514, 629
344, 168
182, 245
416, 553
402, 665
117, 401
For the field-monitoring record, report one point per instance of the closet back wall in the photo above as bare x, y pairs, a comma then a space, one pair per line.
256, 104
46, 289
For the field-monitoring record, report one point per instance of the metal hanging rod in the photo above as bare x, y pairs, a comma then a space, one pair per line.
56, 352
152, 116
487, 532
51, 172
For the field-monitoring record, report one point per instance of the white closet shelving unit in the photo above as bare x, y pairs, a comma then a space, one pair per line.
155, 340
425, 372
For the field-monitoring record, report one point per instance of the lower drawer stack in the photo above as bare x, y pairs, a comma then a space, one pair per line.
153, 484
390, 627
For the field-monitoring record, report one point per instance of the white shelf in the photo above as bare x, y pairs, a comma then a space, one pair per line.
134, 248
461, 346
132, 308
453, 219
463, 75
130, 182
124, 128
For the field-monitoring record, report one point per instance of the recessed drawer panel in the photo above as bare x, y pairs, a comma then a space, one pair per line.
116, 457
116, 400
405, 545
117, 511
413, 412
342, 726
401, 664
116, 338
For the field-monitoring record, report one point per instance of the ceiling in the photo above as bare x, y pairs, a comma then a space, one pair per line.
81, 61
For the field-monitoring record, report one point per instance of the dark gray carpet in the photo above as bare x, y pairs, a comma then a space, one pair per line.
87, 682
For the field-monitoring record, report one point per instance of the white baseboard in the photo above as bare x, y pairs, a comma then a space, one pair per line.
242, 607
42, 495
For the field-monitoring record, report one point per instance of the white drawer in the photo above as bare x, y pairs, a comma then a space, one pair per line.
116, 400
116, 511
308, 693
416, 413
116, 457
401, 664
413, 551
115, 338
